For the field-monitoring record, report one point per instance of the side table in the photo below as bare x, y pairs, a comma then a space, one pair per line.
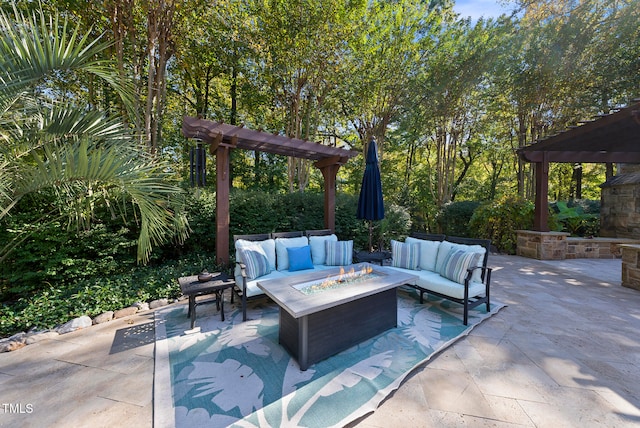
191, 287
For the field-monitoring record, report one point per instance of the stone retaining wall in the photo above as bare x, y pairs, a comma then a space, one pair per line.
596, 248
559, 246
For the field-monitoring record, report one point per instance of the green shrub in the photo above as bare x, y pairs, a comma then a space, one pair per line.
499, 220
52, 254
588, 206
577, 217
395, 225
453, 219
260, 212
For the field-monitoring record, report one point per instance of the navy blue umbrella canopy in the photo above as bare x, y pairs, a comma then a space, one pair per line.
370, 203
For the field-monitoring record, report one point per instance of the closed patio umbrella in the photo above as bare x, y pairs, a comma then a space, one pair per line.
370, 203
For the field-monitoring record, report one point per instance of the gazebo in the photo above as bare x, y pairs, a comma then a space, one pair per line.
609, 138
222, 137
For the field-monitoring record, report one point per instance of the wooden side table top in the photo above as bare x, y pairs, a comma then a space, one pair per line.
189, 285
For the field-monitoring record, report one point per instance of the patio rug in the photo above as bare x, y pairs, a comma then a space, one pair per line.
236, 374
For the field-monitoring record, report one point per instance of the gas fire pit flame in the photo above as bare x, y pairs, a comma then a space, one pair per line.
338, 280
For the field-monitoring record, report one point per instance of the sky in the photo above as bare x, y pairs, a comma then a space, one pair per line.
478, 8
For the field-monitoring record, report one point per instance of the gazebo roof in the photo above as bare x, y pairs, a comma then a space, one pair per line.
216, 133
613, 138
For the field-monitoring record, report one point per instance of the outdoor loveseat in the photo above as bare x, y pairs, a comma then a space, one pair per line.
278, 255
446, 266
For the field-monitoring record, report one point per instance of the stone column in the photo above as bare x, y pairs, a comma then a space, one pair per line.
542, 245
631, 266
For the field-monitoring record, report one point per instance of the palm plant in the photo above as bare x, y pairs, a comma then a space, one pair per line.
50, 140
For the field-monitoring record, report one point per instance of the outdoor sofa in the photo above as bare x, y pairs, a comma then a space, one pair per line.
279, 255
449, 267
446, 266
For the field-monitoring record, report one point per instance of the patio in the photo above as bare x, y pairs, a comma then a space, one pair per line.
565, 352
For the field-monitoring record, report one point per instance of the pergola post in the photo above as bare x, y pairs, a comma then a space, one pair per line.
222, 205
541, 213
329, 173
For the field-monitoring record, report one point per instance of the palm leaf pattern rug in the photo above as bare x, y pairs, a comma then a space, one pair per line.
235, 373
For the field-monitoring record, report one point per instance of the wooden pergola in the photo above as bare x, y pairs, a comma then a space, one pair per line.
222, 137
610, 138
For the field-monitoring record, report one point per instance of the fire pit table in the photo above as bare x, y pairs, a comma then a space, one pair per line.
324, 312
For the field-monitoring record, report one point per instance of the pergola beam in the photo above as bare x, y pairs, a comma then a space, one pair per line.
248, 139
582, 156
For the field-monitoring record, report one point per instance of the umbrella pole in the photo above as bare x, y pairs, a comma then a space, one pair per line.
370, 236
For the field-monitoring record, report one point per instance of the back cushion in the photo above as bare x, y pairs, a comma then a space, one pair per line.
446, 247
318, 251
268, 246
428, 252
281, 249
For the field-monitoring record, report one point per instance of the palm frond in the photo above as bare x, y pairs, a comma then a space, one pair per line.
85, 157
75, 123
83, 174
34, 48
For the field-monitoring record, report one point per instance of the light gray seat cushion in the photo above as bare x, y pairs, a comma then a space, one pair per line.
252, 285
434, 282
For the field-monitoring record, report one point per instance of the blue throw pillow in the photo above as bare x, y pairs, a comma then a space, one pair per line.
299, 258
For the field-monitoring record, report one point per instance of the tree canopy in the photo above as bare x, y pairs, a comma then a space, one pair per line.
449, 100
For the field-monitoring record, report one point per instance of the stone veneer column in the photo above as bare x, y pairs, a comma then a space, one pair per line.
631, 266
542, 245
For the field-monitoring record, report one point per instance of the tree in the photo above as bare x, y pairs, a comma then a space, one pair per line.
52, 141
301, 45
383, 56
564, 66
448, 109
144, 42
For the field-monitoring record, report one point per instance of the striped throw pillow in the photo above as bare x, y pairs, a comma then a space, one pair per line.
255, 260
404, 255
457, 263
339, 253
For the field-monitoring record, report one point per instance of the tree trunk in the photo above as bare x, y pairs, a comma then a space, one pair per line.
160, 17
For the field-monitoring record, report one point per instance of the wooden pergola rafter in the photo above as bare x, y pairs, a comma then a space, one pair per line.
609, 138
222, 137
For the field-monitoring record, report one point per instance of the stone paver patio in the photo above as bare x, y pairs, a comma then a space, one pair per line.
564, 353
